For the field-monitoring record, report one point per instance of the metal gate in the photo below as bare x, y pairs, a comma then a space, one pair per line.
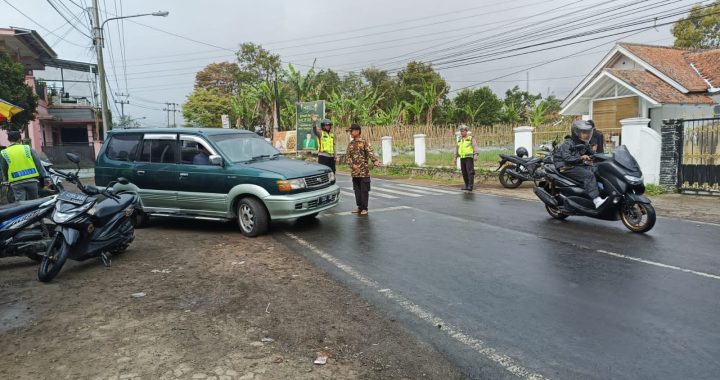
699, 168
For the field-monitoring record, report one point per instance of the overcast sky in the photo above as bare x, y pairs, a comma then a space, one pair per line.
343, 35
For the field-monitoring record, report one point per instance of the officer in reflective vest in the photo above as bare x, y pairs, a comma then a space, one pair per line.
326, 151
467, 150
21, 168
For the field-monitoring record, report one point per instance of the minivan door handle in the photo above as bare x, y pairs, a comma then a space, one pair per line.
184, 174
141, 172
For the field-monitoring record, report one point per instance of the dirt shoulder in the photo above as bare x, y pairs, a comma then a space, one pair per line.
216, 306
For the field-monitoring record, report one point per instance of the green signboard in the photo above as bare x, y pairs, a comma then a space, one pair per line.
304, 111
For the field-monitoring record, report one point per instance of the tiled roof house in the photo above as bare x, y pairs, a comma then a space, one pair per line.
654, 82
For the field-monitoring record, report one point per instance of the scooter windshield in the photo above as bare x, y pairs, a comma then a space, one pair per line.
623, 157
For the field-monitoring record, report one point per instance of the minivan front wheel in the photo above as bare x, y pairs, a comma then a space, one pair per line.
252, 217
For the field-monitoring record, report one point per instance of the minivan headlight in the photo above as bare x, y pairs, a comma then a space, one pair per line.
291, 184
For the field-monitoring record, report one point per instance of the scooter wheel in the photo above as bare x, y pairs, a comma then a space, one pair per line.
508, 181
639, 217
555, 213
54, 259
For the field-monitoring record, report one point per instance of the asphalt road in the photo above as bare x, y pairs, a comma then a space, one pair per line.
506, 292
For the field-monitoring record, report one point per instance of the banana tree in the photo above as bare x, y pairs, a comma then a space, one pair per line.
538, 114
429, 98
472, 112
510, 114
342, 107
304, 87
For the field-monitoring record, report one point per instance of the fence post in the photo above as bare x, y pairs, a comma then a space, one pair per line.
671, 153
419, 149
644, 144
524, 138
386, 150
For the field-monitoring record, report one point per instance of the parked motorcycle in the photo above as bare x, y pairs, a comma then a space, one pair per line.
619, 178
87, 228
514, 170
23, 231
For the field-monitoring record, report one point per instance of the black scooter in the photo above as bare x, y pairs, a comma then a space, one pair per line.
619, 178
87, 228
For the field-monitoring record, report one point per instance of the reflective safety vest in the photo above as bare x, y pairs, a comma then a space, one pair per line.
20, 163
465, 147
327, 143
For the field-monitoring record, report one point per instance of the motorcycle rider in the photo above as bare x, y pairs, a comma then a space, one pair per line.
22, 168
572, 159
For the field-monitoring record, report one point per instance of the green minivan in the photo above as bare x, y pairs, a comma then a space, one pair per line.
215, 174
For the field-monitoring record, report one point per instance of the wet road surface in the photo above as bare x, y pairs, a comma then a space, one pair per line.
506, 292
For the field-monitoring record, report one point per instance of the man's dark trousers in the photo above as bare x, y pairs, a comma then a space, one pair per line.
586, 177
361, 185
467, 165
327, 161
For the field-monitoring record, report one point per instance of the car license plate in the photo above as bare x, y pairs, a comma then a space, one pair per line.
325, 199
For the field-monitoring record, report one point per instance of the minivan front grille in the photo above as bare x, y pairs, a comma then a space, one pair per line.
317, 180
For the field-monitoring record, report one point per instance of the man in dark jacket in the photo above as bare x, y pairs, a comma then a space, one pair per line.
573, 160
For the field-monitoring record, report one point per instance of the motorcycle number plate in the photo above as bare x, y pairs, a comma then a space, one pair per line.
74, 198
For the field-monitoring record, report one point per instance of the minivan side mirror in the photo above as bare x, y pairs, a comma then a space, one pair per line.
74, 158
216, 160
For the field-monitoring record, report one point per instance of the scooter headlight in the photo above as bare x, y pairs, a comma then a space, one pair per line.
633, 179
62, 217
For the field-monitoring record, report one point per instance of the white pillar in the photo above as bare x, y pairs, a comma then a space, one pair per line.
419, 149
644, 144
387, 150
523, 138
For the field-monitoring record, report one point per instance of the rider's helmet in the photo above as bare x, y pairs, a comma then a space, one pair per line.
582, 131
521, 152
326, 122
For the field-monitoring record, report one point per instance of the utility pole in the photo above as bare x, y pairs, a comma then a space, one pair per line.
527, 81
276, 124
173, 110
106, 118
122, 103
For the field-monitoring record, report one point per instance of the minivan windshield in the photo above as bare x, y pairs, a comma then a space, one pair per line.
244, 147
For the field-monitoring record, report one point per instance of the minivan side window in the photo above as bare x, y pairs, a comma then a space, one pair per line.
123, 147
158, 151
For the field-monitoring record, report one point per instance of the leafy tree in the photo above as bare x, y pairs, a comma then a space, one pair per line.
353, 85
521, 101
206, 107
256, 64
14, 90
244, 106
479, 106
380, 81
538, 114
221, 76
328, 81
417, 76
701, 29
510, 114
553, 105
127, 121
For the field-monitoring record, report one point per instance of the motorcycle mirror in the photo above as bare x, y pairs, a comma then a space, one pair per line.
123, 181
72, 157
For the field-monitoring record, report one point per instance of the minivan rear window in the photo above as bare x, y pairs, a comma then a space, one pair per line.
123, 147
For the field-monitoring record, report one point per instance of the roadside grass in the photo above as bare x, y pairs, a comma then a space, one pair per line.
485, 158
654, 190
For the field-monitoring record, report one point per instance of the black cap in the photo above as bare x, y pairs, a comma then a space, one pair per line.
14, 135
354, 127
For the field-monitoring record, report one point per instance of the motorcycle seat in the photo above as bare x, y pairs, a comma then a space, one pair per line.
13, 209
111, 206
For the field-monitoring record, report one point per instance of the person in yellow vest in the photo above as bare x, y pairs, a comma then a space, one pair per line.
466, 151
21, 168
326, 151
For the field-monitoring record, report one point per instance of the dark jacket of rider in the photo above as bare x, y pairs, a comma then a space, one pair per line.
568, 154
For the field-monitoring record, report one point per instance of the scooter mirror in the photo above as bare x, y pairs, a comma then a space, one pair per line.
123, 181
74, 158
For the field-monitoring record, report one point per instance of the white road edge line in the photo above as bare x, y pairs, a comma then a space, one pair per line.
433, 189
403, 193
371, 194
661, 265
476, 344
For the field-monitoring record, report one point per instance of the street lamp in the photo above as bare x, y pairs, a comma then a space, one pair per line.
107, 123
